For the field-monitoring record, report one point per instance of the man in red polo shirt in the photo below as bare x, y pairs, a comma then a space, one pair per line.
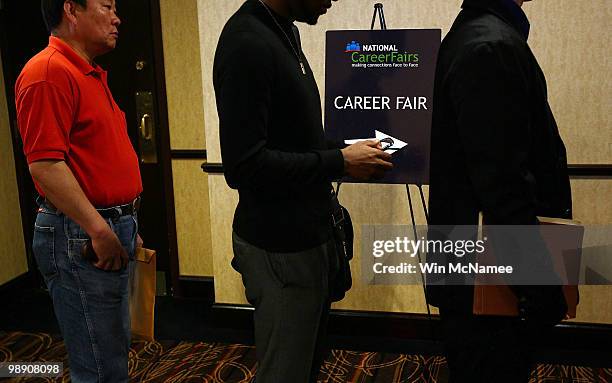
86, 172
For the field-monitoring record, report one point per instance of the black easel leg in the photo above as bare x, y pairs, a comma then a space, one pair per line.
414, 230
424, 203
374, 18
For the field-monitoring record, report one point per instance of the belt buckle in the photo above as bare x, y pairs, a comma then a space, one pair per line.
119, 212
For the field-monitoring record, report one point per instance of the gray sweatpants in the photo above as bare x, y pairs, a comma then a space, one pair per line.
291, 298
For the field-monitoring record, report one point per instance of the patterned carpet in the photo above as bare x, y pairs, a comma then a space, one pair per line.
169, 361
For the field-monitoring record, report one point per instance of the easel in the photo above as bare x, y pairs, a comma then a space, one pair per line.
378, 11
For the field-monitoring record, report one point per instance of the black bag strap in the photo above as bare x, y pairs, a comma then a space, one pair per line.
338, 215
342, 225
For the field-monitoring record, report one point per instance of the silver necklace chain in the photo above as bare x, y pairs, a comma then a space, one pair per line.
297, 53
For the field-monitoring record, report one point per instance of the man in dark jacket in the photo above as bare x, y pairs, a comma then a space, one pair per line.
496, 149
275, 153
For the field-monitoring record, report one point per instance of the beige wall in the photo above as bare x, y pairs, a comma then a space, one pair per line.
192, 218
575, 61
186, 120
592, 205
12, 246
183, 73
567, 37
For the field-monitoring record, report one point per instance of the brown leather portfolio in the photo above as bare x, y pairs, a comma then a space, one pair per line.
499, 300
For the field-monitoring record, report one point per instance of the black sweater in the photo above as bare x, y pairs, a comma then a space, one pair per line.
272, 142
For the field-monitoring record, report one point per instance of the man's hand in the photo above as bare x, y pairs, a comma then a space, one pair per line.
63, 190
139, 241
541, 305
366, 160
111, 254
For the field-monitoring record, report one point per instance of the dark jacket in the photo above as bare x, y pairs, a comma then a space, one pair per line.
495, 145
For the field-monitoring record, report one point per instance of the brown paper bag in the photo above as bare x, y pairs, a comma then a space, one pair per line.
142, 294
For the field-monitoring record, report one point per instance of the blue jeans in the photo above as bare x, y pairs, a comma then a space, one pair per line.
91, 305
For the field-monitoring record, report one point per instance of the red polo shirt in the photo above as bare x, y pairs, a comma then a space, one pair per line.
65, 111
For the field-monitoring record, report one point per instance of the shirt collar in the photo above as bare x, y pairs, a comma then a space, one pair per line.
78, 61
507, 10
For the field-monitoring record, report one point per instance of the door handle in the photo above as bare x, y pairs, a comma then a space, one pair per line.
144, 124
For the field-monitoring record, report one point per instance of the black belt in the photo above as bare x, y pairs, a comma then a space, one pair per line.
112, 212
119, 211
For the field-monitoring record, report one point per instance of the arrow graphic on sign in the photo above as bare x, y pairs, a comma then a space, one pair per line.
390, 144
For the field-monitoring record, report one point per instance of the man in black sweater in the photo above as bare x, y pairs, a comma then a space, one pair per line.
275, 153
496, 149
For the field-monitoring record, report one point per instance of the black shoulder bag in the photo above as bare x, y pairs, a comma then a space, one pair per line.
343, 238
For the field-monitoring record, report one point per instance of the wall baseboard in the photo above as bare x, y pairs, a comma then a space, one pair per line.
569, 343
24, 281
196, 287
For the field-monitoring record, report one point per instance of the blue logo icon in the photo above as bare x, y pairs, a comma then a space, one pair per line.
353, 46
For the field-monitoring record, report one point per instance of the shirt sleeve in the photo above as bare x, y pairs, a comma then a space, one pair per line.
45, 117
244, 78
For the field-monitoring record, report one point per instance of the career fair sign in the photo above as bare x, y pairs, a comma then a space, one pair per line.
379, 85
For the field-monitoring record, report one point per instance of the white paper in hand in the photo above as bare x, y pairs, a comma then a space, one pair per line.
392, 143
